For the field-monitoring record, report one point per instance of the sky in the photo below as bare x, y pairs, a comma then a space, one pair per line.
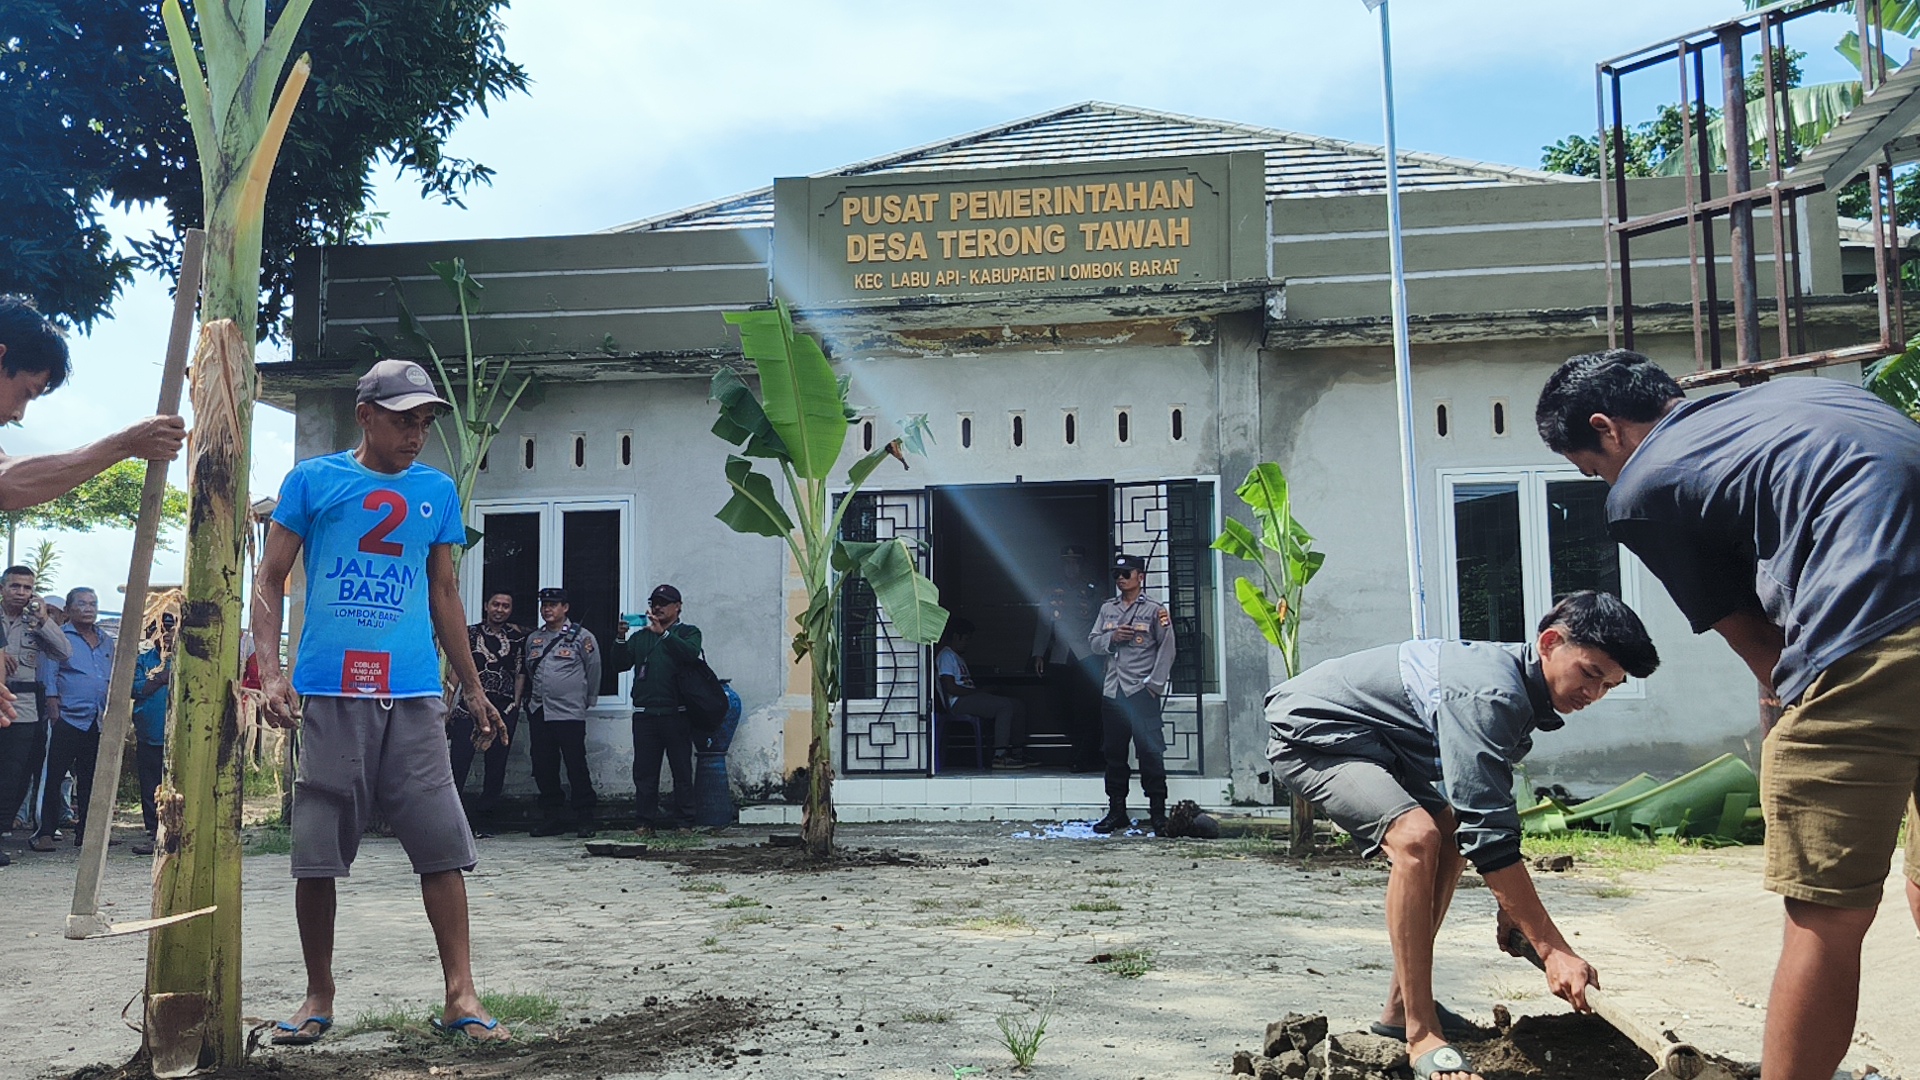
640, 107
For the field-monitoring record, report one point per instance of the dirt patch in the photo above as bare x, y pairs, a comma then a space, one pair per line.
1565, 1046
764, 858
700, 1029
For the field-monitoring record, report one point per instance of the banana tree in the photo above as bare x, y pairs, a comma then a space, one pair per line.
238, 123
798, 425
1283, 552
474, 421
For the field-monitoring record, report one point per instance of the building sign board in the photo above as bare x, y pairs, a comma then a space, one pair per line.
1064, 229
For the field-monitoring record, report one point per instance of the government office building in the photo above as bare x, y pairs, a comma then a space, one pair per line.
1107, 316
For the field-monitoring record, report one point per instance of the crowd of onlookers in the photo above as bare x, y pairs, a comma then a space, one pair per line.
58, 660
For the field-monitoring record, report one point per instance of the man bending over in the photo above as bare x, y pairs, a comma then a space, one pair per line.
378, 530
1411, 748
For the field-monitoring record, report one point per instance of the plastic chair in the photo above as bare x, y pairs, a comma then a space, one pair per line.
943, 720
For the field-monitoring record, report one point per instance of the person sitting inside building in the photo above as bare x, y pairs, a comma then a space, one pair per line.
1411, 748
960, 697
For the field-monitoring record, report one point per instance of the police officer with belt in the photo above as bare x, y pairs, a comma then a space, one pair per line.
26, 634
1135, 633
563, 681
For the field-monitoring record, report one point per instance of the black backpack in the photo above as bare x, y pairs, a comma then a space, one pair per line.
700, 693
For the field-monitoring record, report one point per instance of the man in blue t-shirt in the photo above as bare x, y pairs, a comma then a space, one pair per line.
376, 530
1785, 517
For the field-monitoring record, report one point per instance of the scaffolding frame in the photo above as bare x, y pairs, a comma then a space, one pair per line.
1782, 191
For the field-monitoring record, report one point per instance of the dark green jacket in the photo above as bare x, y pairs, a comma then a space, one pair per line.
656, 657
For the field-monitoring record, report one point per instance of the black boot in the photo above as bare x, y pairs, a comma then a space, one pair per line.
1157, 813
1116, 819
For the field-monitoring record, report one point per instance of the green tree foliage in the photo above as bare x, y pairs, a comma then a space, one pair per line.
90, 112
1648, 145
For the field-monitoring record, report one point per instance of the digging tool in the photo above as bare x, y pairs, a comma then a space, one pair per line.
1673, 1059
84, 920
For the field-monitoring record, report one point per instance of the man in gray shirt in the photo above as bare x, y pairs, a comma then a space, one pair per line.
1135, 634
563, 682
1411, 748
1786, 518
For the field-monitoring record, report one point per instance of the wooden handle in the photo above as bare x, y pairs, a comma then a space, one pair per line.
146, 534
1675, 1058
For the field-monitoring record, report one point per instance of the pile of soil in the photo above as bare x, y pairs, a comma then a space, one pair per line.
700, 1029
1566, 1046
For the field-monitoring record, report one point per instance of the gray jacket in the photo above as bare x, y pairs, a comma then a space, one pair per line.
563, 671
27, 644
1456, 715
1139, 664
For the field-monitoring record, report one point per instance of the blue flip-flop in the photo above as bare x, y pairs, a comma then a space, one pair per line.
297, 1034
460, 1026
1452, 1026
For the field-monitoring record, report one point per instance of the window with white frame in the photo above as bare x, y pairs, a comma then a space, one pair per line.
584, 546
1518, 539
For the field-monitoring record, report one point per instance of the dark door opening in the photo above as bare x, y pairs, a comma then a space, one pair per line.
998, 561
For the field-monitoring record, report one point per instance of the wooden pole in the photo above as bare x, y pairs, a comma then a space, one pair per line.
84, 919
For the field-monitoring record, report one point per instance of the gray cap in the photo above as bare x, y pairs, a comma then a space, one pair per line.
398, 385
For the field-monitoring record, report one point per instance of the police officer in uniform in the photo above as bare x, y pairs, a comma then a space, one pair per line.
1135, 634
563, 680
26, 634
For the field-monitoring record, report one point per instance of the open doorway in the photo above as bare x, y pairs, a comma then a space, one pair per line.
1004, 557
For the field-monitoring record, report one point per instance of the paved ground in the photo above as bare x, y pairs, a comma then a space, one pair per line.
912, 966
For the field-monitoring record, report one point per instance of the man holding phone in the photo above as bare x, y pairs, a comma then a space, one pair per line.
1135, 634
660, 724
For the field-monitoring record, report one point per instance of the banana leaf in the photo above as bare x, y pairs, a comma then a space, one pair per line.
1710, 800
911, 601
754, 507
1608, 801
802, 397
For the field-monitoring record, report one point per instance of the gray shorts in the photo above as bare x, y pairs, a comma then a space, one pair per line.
1360, 794
359, 754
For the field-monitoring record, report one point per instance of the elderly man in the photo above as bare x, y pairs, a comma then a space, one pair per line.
28, 635
563, 682
378, 530
76, 694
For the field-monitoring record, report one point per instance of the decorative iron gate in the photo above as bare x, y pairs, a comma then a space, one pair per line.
1169, 523
883, 677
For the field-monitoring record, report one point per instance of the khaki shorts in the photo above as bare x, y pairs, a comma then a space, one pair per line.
359, 754
1839, 770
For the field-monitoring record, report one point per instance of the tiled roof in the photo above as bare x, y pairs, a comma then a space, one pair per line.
1297, 165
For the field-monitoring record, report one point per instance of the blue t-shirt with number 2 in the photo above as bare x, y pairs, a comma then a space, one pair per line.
368, 630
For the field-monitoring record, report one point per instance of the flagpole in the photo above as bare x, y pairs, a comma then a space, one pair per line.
1402, 362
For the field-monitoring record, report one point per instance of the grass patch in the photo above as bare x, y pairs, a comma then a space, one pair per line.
1238, 847
1004, 920
1614, 892
273, 839
511, 1007
1605, 851
1022, 1036
261, 780
930, 903
709, 941
740, 902
1110, 883
926, 1016
1129, 963
702, 887
739, 922
1102, 904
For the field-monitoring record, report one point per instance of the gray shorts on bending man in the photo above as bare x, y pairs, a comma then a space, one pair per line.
359, 754
1360, 794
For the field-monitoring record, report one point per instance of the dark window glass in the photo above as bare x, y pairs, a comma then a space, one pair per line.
579, 451
1190, 586
866, 436
1486, 535
1580, 552
1120, 426
859, 612
526, 453
1499, 418
1179, 426
1069, 425
590, 572
1019, 431
966, 431
483, 461
511, 562
626, 449
1440, 420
